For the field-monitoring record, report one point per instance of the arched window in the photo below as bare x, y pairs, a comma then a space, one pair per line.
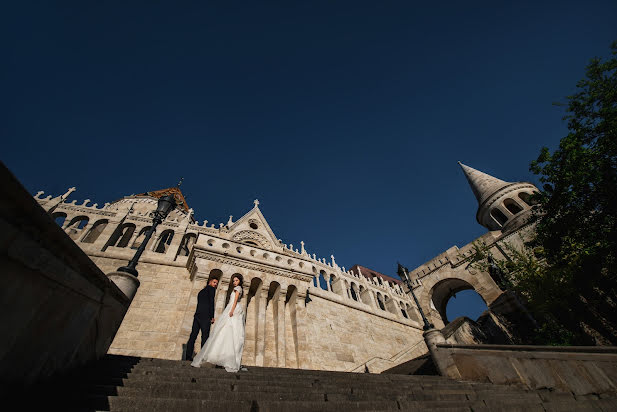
499, 216
331, 281
59, 217
76, 225
95, 231
380, 301
322, 280
187, 243
512, 206
164, 241
353, 291
122, 235
403, 311
527, 198
140, 238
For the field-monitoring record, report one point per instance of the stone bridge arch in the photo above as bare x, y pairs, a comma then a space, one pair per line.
438, 288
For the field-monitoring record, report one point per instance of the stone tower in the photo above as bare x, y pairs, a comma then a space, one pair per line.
502, 205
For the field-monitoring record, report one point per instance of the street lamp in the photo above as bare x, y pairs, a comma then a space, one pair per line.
403, 274
165, 205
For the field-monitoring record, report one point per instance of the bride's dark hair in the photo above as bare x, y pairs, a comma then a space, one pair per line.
240, 278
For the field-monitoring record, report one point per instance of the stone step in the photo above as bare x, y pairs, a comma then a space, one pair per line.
126, 383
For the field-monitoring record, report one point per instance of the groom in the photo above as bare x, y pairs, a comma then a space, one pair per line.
204, 317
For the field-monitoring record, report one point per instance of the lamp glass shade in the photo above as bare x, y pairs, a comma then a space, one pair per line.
166, 204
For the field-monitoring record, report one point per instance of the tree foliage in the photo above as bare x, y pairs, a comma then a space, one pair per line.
567, 273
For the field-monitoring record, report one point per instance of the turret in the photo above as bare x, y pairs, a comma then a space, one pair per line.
501, 205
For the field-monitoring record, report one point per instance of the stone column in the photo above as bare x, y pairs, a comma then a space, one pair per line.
303, 362
281, 327
261, 327
371, 298
219, 297
441, 357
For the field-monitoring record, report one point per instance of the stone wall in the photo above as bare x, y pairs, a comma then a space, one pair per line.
59, 310
347, 339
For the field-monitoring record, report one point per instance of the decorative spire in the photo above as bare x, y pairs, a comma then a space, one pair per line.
256, 203
482, 185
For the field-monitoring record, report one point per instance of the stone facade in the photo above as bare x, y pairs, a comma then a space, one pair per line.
349, 322
302, 311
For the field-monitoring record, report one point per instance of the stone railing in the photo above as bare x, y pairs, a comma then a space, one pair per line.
578, 369
377, 364
59, 309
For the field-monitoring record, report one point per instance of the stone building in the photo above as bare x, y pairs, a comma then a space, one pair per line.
303, 311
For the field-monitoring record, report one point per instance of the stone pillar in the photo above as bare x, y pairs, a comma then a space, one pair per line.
220, 296
302, 349
281, 327
261, 327
371, 298
441, 357
126, 282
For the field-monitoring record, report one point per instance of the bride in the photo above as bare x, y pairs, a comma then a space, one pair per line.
226, 341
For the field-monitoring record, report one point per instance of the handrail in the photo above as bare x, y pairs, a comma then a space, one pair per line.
393, 359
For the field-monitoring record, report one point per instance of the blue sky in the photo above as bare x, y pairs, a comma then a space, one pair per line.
345, 119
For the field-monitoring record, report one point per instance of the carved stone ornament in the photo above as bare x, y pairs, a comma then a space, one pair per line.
226, 260
258, 238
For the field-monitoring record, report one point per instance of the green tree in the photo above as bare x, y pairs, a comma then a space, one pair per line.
577, 230
567, 273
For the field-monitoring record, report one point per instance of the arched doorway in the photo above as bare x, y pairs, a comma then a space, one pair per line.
450, 289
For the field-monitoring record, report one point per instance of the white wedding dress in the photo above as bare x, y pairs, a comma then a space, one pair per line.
226, 341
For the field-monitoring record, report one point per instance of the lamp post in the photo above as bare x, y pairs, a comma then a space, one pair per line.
403, 274
165, 205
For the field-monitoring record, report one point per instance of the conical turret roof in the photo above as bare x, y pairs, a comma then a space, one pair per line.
482, 185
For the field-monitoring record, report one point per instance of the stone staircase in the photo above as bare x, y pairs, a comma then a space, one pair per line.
120, 383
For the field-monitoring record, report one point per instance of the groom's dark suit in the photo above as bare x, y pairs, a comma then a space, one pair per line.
202, 319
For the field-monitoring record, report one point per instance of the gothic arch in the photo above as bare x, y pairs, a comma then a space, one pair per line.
437, 291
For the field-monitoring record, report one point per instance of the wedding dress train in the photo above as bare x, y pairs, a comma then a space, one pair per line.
226, 342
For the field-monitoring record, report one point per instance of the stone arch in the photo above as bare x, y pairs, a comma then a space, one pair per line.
331, 280
76, 226
59, 218
321, 280
354, 292
186, 244
164, 241
441, 291
140, 237
122, 235
499, 217
512, 206
95, 231
403, 310
526, 198
380, 301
